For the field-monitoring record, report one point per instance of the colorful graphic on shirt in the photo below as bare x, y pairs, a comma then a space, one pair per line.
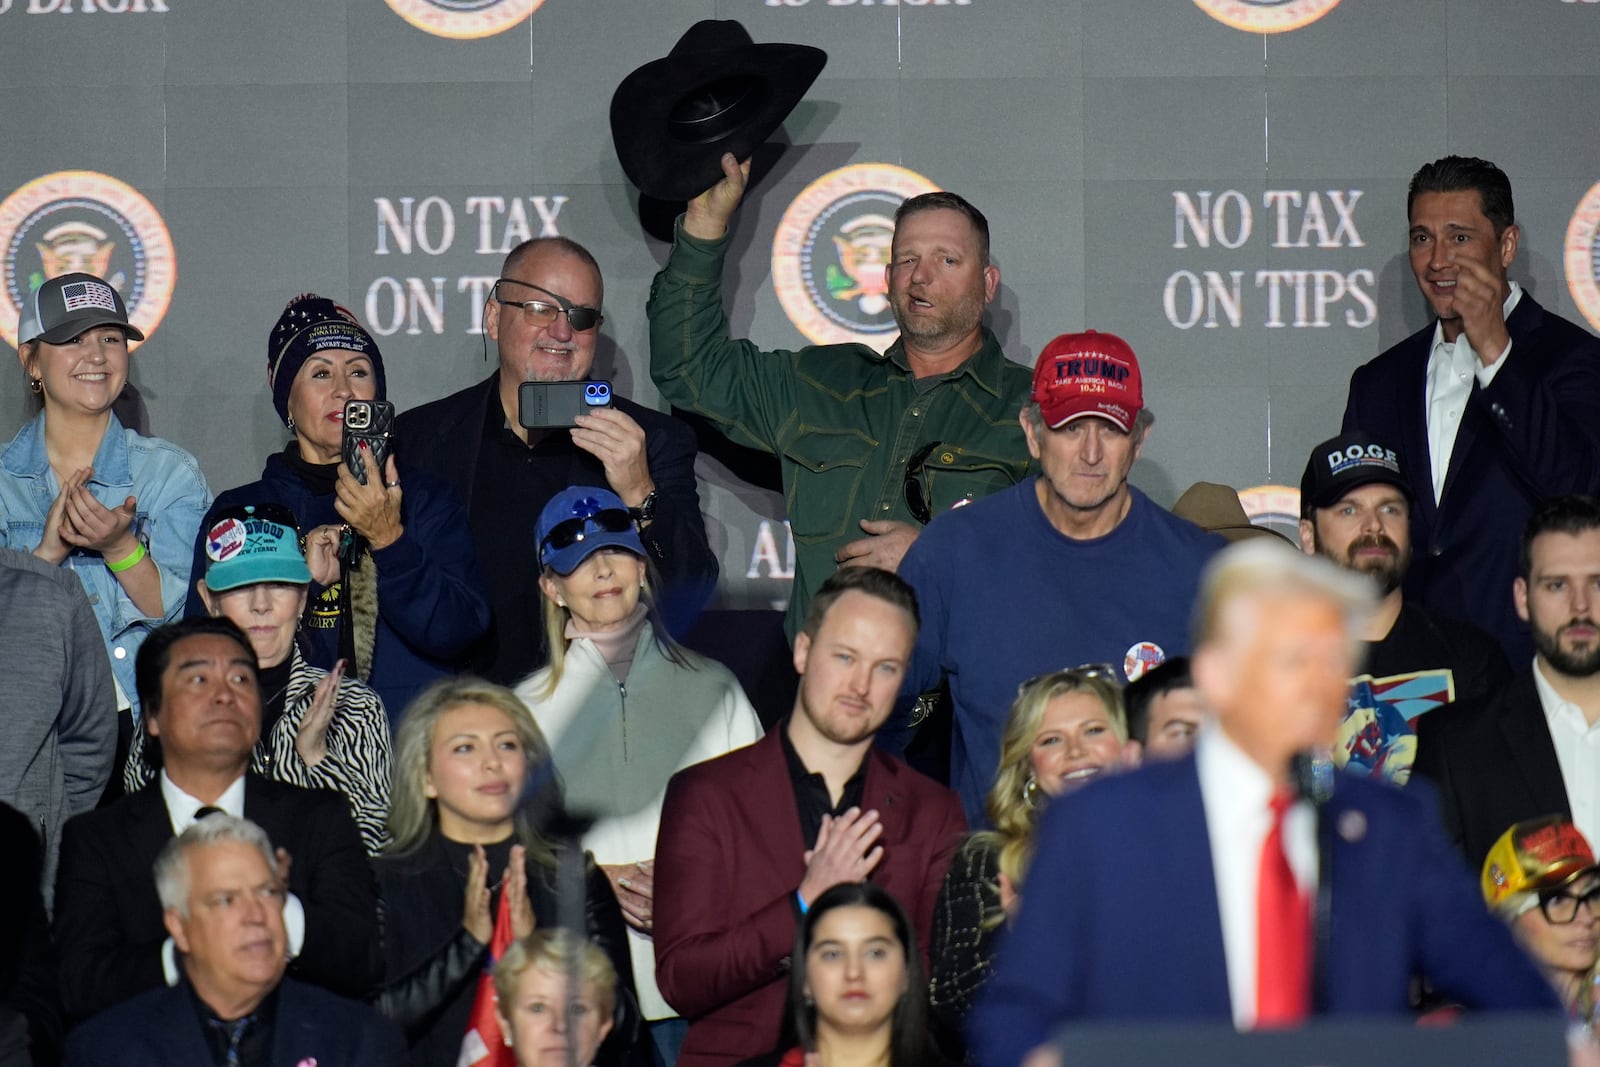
1583, 255
464, 19
832, 247
1266, 16
1378, 733
78, 220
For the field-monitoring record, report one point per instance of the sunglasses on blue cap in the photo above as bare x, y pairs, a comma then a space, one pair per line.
575, 531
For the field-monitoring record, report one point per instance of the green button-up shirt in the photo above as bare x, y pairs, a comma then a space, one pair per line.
844, 420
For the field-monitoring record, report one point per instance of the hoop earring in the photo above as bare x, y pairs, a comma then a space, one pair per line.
36, 385
1030, 792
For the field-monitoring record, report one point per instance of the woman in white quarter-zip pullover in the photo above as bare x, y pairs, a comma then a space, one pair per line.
623, 706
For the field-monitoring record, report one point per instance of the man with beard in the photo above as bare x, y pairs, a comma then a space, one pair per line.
1355, 508
748, 840
1529, 749
871, 444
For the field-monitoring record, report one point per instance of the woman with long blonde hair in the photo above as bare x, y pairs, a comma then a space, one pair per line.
473, 780
1065, 729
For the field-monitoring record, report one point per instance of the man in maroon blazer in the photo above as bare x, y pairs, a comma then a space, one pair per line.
748, 839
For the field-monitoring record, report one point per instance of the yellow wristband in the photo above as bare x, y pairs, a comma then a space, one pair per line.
129, 561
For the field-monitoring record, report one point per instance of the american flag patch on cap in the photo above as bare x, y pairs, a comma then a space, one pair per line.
82, 296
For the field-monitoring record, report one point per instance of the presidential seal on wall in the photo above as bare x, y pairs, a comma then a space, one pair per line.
1266, 16
464, 19
77, 220
1583, 256
831, 248
1273, 507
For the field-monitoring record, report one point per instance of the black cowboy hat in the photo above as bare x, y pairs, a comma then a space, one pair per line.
716, 91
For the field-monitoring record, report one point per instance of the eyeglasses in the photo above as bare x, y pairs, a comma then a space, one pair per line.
541, 313
1561, 907
917, 499
1082, 673
574, 531
277, 513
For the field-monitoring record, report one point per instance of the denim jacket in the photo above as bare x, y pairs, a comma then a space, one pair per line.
172, 497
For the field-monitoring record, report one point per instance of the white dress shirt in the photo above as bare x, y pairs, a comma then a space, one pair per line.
1237, 796
1577, 751
1451, 370
181, 809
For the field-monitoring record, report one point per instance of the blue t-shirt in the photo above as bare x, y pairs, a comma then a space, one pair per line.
1004, 596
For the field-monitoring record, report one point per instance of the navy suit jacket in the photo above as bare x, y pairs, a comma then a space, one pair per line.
730, 856
162, 1028
108, 918
444, 436
1120, 919
1532, 435
1494, 764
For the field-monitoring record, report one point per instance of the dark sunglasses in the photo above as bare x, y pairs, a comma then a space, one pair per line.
574, 531
277, 513
917, 498
1560, 906
542, 313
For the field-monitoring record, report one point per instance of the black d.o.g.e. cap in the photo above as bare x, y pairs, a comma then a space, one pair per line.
64, 307
1345, 462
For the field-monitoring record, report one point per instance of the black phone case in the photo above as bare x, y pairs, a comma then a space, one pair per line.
553, 405
379, 436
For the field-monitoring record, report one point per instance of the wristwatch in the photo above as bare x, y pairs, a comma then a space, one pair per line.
646, 511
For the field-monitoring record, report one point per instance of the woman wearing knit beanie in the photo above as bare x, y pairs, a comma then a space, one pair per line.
395, 588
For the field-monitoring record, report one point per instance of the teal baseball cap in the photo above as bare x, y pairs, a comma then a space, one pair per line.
254, 543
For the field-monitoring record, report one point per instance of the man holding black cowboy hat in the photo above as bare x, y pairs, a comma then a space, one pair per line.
871, 445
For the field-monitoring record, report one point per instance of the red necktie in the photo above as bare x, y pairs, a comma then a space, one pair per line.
1283, 932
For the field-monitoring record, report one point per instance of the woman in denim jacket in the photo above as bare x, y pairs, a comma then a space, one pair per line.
80, 490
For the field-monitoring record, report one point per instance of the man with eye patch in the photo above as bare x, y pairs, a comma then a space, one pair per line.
197, 683
1491, 405
544, 316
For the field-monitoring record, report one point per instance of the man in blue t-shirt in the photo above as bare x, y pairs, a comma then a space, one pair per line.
1070, 567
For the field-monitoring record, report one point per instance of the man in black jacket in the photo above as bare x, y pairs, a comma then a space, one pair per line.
544, 318
197, 686
1528, 749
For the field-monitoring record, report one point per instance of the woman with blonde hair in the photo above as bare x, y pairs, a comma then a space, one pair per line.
1541, 878
80, 490
625, 708
1064, 729
543, 1020
473, 780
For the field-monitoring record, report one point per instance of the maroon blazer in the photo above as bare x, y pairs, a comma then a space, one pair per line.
728, 861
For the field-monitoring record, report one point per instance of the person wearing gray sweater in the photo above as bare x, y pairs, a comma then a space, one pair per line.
58, 706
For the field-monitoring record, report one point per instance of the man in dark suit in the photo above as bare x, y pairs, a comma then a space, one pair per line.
1183, 890
1492, 407
197, 685
748, 839
544, 317
222, 898
1524, 751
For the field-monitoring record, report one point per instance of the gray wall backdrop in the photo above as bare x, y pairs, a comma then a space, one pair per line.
1230, 201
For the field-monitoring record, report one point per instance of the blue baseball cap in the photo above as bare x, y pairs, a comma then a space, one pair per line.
254, 544
579, 521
